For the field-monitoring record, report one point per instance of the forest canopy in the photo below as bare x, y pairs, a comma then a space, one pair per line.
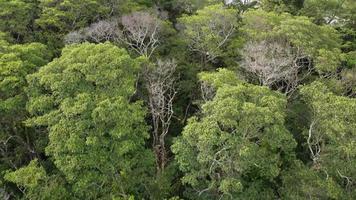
177, 99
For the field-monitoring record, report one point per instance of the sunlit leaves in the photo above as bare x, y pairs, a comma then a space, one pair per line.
95, 133
240, 136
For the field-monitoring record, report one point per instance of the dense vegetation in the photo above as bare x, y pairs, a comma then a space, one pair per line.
177, 99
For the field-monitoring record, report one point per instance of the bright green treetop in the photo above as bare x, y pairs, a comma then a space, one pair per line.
16, 62
96, 135
236, 147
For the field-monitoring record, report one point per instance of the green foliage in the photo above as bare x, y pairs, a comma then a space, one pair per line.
37, 184
16, 62
74, 121
328, 61
188, 6
96, 136
291, 6
238, 145
321, 43
348, 81
301, 182
332, 134
16, 17
350, 59
28, 176
68, 14
349, 38
207, 32
57, 18
330, 11
165, 183
220, 78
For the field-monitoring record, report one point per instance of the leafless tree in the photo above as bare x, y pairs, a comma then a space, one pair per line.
74, 37
141, 32
160, 84
275, 63
101, 31
105, 30
314, 143
237, 1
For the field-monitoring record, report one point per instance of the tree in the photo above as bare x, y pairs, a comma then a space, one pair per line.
273, 63
160, 84
336, 12
187, 6
331, 135
34, 182
119, 99
68, 15
282, 49
16, 62
242, 5
96, 135
210, 82
101, 31
18, 144
140, 31
341, 15
302, 182
207, 32
291, 6
348, 82
59, 17
16, 18
237, 147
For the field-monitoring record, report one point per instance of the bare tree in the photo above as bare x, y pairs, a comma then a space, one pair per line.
140, 32
275, 63
314, 143
101, 31
160, 84
74, 37
105, 30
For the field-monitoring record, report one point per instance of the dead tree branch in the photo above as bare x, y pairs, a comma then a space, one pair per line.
160, 84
